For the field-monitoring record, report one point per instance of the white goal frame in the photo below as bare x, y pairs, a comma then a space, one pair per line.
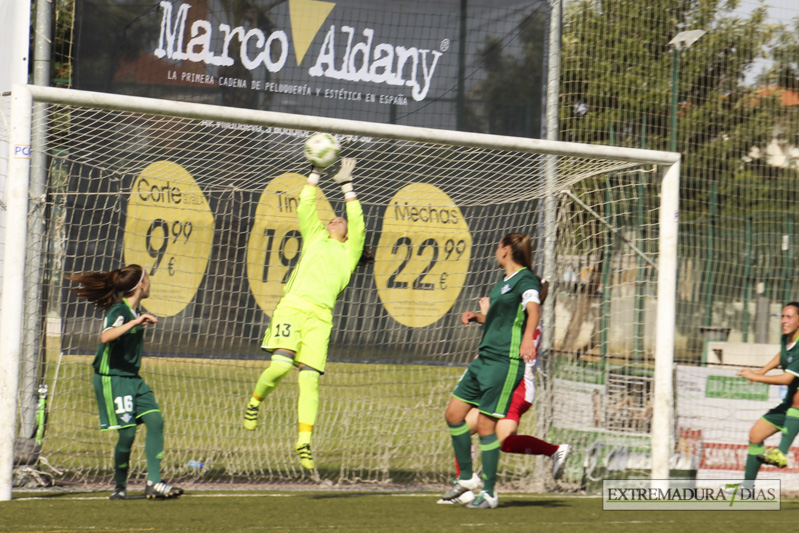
12, 304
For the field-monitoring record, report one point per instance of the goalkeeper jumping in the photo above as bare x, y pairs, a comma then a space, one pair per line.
299, 332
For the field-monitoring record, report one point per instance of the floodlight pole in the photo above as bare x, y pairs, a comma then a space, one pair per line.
663, 401
682, 41
674, 79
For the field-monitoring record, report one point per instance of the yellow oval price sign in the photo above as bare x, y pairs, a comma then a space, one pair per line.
275, 242
423, 255
169, 231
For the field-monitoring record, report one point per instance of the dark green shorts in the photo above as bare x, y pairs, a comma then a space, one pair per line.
122, 400
488, 384
776, 416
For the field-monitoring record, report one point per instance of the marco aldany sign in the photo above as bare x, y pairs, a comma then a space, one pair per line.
439, 64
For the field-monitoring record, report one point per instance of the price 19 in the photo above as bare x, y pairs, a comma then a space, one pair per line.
287, 261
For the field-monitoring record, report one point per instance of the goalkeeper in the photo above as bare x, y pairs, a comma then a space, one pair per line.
299, 331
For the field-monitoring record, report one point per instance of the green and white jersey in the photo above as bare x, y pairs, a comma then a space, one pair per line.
122, 356
506, 319
789, 361
325, 264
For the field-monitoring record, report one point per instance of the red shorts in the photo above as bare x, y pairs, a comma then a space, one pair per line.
524, 394
522, 397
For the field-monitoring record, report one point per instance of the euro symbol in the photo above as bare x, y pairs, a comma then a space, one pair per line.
443, 282
171, 266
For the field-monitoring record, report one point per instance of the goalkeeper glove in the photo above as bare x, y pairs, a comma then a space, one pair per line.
344, 177
316, 173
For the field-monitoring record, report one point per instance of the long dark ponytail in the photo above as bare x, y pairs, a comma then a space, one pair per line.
104, 289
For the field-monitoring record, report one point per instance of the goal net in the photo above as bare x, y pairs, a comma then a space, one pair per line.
205, 197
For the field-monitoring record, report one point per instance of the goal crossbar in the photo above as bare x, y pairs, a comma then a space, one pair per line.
342, 126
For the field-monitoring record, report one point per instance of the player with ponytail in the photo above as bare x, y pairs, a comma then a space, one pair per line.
508, 342
123, 398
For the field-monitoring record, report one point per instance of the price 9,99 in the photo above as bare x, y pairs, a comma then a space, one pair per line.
169, 230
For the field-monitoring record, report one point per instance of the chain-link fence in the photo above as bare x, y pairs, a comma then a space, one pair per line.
729, 104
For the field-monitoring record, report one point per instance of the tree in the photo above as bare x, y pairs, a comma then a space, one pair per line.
617, 78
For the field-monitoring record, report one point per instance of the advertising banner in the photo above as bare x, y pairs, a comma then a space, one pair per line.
474, 65
715, 410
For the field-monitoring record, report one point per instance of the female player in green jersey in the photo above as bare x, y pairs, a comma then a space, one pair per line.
124, 399
785, 416
299, 331
508, 342
507, 427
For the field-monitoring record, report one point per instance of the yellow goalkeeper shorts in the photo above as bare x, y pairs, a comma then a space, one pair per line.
303, 328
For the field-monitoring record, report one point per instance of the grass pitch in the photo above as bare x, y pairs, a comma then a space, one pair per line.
201, 511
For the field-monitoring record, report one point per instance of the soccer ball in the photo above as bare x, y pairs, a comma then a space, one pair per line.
322, 149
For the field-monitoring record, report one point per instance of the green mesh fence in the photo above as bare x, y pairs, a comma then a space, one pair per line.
735, 93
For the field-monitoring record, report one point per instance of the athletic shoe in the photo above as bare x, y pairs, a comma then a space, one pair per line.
559, 460
463, 499
306, 458
461, 491
251, 416
118, 494
484, 501
773, 457
161, 491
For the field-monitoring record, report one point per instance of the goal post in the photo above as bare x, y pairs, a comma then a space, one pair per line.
663, 404
202, 196
12, 299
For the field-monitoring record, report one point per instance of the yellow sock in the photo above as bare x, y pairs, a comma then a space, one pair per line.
272, 376
305, 434
307, 404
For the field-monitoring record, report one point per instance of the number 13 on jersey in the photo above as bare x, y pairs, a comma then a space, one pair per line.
423, 254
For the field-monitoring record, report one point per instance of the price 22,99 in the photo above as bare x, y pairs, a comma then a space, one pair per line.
453, 250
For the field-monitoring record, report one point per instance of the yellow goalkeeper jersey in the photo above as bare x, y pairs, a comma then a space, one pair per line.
325, 264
